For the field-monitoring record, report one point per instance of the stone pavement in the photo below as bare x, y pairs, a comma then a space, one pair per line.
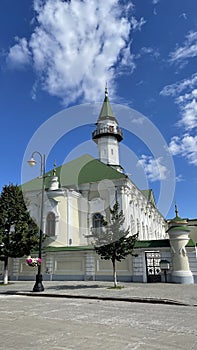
76, 324
161, 293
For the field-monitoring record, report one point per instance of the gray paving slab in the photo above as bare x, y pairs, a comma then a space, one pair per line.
61, 323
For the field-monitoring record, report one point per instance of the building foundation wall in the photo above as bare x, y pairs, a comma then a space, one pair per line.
86, 265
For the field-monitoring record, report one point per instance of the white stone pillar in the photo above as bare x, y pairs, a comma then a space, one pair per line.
178, 235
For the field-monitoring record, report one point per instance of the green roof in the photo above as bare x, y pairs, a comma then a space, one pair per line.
68, 248
178, 228
177, 218
152, 244
84, 169
106, 111
160, 243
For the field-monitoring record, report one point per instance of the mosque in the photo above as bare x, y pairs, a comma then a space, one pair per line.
78, 195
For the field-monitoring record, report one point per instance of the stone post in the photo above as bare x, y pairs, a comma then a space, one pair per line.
178, 235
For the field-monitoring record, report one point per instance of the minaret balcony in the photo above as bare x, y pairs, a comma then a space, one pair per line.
108, 130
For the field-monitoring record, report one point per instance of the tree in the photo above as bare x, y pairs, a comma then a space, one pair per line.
112, 241
18, 231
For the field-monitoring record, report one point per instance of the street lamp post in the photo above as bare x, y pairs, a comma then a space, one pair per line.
38, 287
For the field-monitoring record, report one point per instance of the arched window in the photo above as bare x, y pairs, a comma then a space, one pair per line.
50, 224
97, 221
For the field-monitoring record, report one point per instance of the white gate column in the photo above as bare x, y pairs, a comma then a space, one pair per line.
178, 235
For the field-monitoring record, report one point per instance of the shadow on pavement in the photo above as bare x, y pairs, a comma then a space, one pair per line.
74, 287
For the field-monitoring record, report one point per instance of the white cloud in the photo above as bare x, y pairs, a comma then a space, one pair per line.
183, 15
189, 114
188, 50
19, 55
127, 63
153, 168
180, 178
147, 50
155, 12
77, 46
137, 25
185, 94
185, 146
177, 88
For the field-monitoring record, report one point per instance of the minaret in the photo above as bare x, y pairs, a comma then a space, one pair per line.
108, 135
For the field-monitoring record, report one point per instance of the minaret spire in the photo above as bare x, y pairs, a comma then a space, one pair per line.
106, 90
176, 210
54, 183
54, 169
108, 135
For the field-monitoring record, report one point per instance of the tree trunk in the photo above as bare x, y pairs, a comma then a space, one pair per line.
5, 274
114, 272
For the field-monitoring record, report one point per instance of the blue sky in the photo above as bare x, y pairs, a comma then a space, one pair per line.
59, 54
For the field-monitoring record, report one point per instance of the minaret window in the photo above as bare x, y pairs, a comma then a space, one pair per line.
50, 224
97, 221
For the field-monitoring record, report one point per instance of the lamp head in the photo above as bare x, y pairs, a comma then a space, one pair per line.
31, 162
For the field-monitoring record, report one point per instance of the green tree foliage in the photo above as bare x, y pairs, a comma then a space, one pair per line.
18, 232
112, 241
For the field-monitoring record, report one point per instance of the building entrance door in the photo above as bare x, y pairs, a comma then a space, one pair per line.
153, 270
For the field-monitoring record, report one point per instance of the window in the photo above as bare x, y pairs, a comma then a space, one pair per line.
97, 221
50, 224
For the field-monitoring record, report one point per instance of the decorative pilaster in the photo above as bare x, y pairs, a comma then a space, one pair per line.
49, 266
15, 268
90, 266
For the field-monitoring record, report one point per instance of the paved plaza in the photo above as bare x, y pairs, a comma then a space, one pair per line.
89, 315
147, 292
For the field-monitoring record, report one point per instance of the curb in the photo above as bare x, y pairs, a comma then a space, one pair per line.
91, 297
